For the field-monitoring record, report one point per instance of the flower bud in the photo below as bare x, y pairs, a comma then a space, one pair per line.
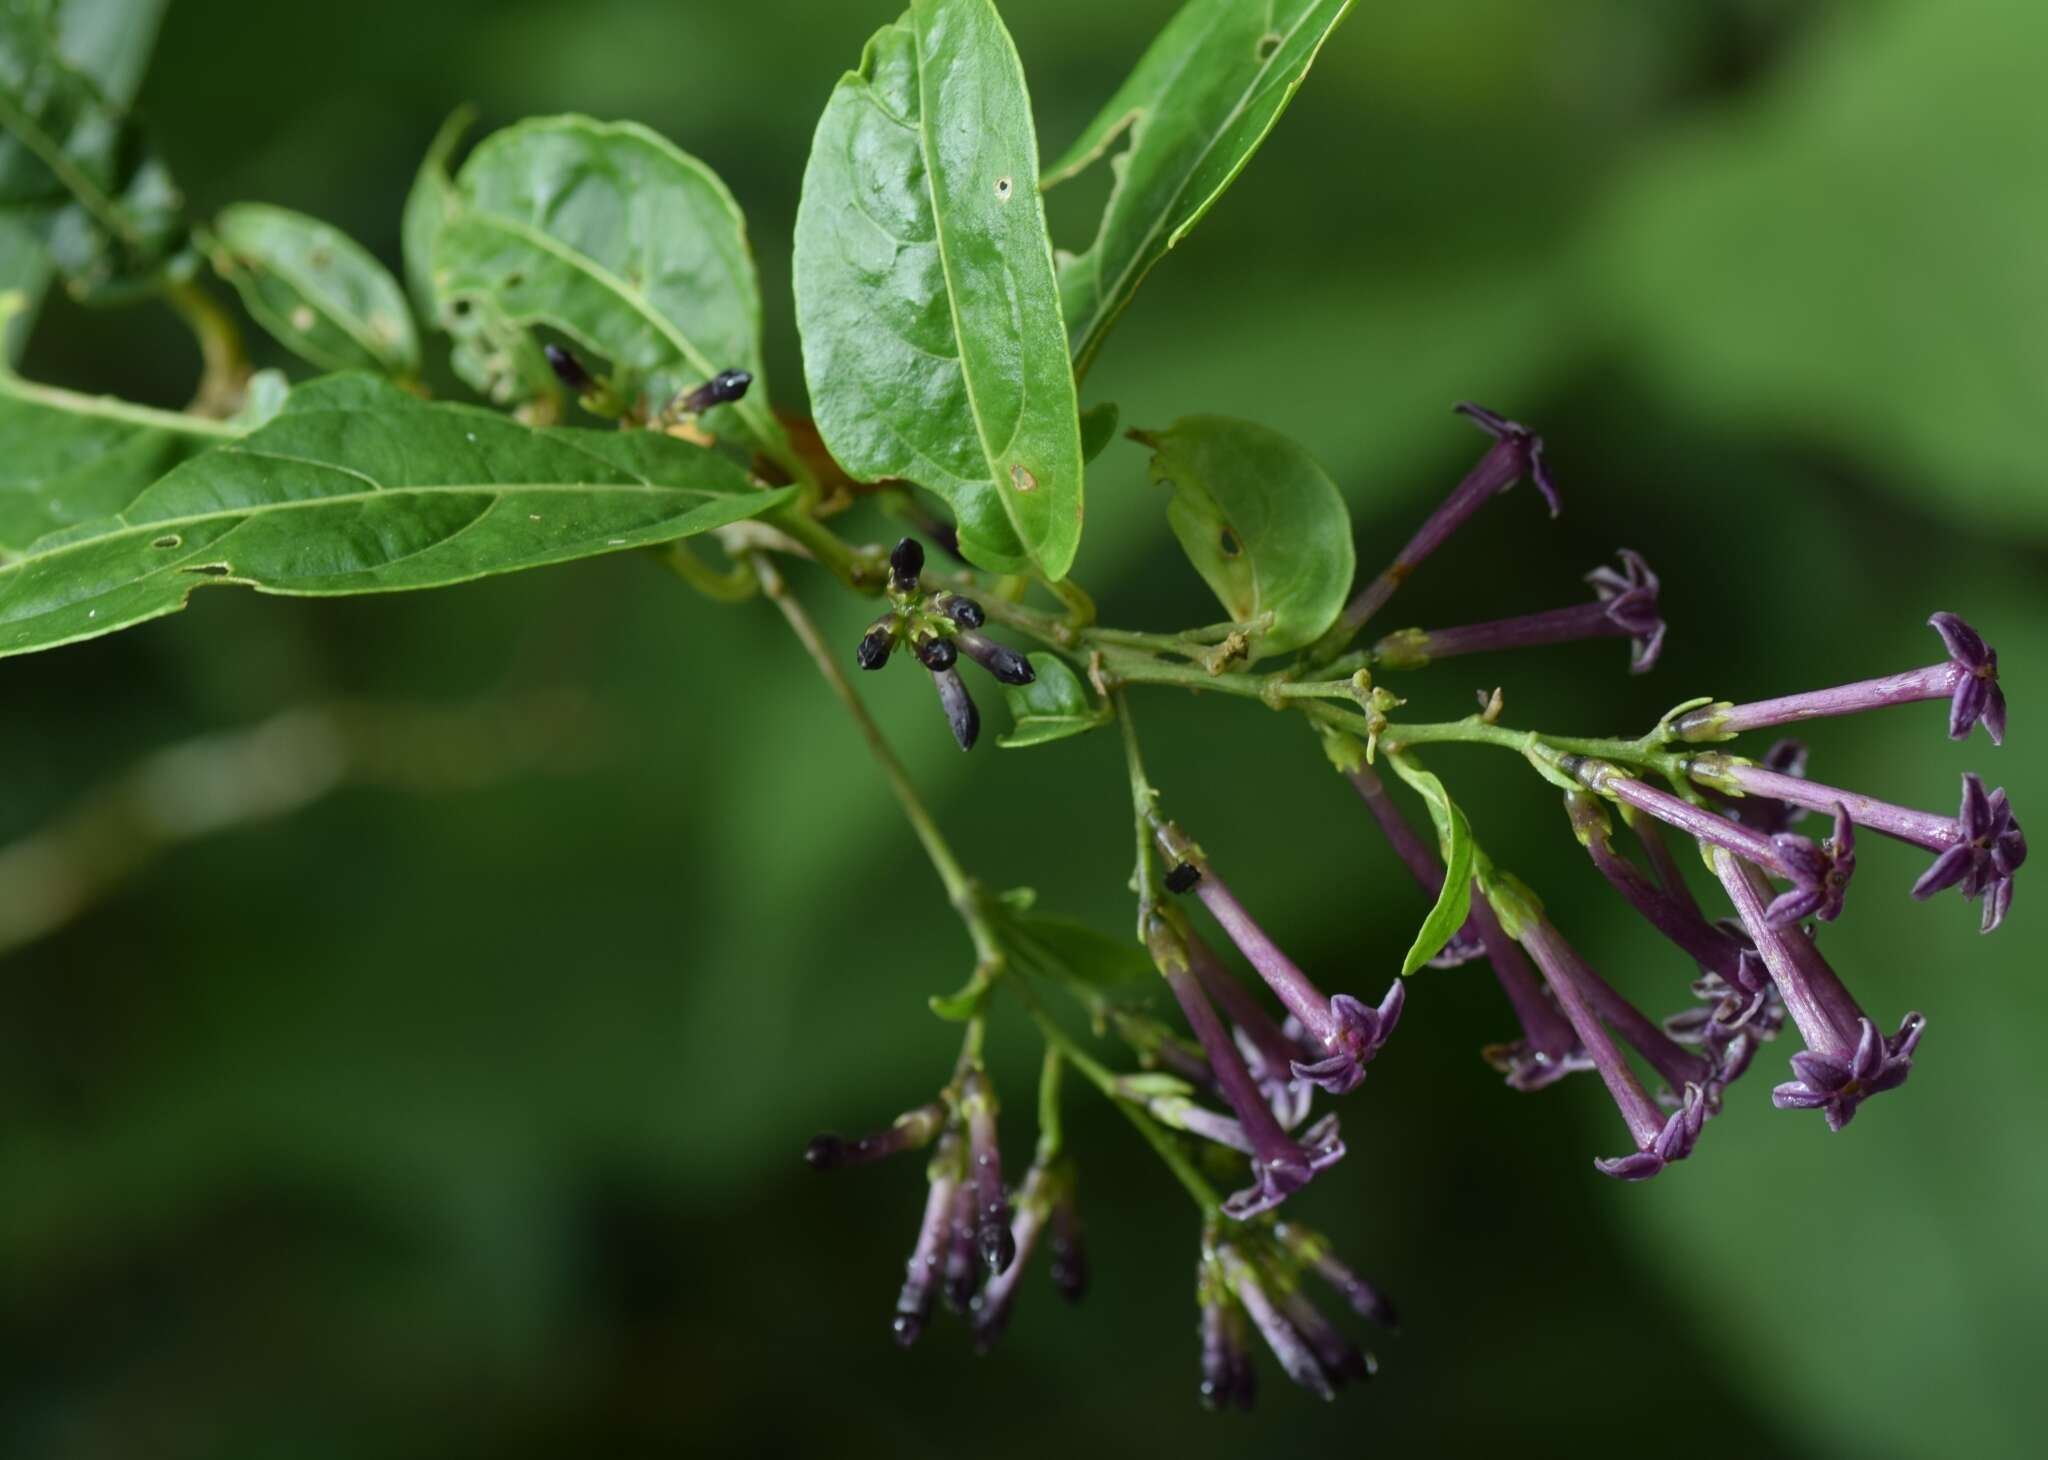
906, 564
568, 369
877, 643
721, 389
961, 715
1005, 663
937, 654
962, 611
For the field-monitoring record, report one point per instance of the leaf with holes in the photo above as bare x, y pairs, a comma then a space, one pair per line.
73, 166
925, 293
1200, 101
1052, 707
358, 487
322, 295
1454, 843
1261, 521
494, 357
629, 246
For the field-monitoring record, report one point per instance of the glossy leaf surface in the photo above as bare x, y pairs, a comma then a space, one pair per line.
925, 295
1052, 707
1261, 521
319, 293
1188, 118
357, 487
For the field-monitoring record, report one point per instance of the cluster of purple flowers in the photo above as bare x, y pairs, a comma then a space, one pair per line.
1248, 1081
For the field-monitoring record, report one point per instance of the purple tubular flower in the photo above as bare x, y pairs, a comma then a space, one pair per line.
1269, 1052
1517, 452
960, 1261
1764, 813
1312, 1250
1281, 1166
1659, 1140
985, 1173
992, 1306
1980, 849
1422, 863
1343, 1360
1345, 1031
1626, 607
1845, 1060
1818, 877
1297, 1357
1227, 1374
1967, 679
1549, 1048
1675, 915
1989, 851
934, 1238
911, 1130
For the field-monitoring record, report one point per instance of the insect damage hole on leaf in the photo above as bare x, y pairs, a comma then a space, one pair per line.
168, 540
1268, 43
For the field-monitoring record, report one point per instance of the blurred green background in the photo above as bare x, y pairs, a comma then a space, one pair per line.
468, 1123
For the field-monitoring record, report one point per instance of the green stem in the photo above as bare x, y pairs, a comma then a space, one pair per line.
961, 890
109, 408
736, 585
1143, 798
1169, 1151
1051, 1139
224, 364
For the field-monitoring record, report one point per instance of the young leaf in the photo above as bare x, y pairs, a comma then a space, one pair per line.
1201, 100
358, 487
924, 288
629, 246
1454, 840
494, 357
1263, 524
70, 161
1098, 429
322, 295
1051, 707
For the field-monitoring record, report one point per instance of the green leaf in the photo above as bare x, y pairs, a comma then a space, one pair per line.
1263, 524
1051, 707
73, 164
925, 293
491, 355
68, 459
1200, 101
359, 487
1454, 842
629, 246
1098, 429
322, 295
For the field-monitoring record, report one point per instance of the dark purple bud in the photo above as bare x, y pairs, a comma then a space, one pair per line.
1296, 1357
1005, 663
1344, 1361
877, 643
961, 715
912, 1130
1223, 1347
937, 654
998, 1297
934, 1238
1181, 876
1313, 1250
962, 611
568, 369
1067, 1245
992, 1237
906, 565
721, 389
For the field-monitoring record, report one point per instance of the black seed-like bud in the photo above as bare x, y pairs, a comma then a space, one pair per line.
876, 644
1182, 876
1005, 663
825, 1153
906, 563
959, 706
568, 369
937, 654
721, 389
962, 611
